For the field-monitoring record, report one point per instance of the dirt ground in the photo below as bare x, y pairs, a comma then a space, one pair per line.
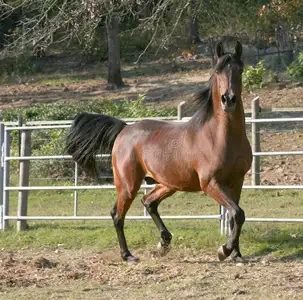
67, 274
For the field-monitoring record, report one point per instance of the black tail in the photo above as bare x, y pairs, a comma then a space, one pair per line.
91, 134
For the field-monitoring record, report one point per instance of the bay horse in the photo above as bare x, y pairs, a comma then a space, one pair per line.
209, 153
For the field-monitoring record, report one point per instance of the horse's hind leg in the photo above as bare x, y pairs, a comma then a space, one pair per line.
119, 225
151, 201
127, 191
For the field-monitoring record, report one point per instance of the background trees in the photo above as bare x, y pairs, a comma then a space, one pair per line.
132, 28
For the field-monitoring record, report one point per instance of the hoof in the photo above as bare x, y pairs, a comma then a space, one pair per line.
221, 254
238, 259
163, 249
131, 259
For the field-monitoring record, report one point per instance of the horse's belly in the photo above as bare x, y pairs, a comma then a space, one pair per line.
175, 174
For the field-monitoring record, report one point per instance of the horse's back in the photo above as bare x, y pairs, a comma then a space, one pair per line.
148, 129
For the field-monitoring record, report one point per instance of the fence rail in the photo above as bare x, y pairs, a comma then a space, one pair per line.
24, 188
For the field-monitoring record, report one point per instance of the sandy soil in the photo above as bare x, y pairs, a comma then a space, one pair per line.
66, 274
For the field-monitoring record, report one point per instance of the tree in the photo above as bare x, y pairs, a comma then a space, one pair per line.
193, 35
43, 22
114, 80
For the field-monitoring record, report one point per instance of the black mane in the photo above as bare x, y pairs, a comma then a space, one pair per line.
202, 102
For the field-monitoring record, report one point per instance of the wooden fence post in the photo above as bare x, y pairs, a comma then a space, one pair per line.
24, 179
255, 137
181, 110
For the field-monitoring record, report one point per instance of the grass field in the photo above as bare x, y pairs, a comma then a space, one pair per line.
281, 239
80, 259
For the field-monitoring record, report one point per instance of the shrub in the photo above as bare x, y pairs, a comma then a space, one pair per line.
253, 77
295, 70
67, 111
22, 65
51, 142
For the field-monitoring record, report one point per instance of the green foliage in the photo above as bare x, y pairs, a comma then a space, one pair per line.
225, 17
68, 110
279, 12
272, 76
51, 142
134, 44
253, 77
295, 70
22, 65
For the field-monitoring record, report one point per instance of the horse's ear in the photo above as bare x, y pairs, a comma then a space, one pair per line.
219, 49
238, 50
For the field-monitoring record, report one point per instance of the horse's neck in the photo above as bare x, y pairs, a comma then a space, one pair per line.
230, 123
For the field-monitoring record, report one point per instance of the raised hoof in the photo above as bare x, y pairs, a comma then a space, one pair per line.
163, 249
131, 259
221, 255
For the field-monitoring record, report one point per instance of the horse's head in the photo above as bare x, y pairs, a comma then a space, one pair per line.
228, 74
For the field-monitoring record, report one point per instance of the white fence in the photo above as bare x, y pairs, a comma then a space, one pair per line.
23, 188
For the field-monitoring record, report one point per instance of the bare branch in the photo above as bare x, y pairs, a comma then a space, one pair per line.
79, 19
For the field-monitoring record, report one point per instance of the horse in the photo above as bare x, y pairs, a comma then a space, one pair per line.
209, 153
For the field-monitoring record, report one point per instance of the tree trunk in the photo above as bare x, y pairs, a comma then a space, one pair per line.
193, 34
114, 80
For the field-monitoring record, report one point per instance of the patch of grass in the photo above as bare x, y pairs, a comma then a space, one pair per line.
279, 239
60, 79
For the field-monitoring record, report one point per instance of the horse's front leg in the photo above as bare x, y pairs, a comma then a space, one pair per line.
223, 195
235, 194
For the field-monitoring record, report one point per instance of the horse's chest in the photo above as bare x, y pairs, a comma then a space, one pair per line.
237, 163
229, 163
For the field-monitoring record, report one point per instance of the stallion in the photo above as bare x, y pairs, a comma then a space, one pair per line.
209, 153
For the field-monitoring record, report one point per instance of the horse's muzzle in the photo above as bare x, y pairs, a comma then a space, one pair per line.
228, 102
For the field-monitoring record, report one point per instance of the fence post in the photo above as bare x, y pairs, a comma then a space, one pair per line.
222, 220
6, 176
181, 110
255, 137
75, 191
1, 174
144, 207
20, 123
227, 223
23, 179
